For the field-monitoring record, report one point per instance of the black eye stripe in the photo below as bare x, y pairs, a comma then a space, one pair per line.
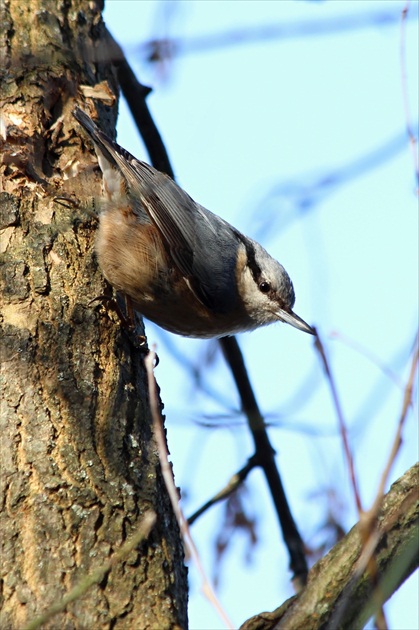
251, 257
264, 286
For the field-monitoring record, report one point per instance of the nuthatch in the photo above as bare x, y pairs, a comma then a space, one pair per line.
183, 267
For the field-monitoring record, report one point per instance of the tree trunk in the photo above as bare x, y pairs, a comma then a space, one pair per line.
79, 461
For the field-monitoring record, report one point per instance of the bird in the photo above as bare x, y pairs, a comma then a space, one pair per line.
183, 267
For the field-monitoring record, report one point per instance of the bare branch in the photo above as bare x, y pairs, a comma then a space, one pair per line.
265, 458
334, 579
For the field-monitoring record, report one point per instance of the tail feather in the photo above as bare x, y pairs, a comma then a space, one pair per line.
106, 150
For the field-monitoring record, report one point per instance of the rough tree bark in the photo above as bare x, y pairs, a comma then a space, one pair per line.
79, 461
339, 595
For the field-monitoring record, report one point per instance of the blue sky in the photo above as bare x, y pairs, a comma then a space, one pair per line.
300, 142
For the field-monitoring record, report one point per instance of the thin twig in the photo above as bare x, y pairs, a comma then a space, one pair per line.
407, 403
383, 536
234, 483
368, 522
342, 424
96, 576
172, 491
372, 565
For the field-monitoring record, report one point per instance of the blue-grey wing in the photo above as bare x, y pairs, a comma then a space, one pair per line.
200, 244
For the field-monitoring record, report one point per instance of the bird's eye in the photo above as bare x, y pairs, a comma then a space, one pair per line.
264, 287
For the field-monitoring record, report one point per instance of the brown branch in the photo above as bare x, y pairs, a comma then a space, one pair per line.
334, 579
368, 523
368, 519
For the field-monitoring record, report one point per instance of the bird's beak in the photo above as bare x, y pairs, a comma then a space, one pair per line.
293, 319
